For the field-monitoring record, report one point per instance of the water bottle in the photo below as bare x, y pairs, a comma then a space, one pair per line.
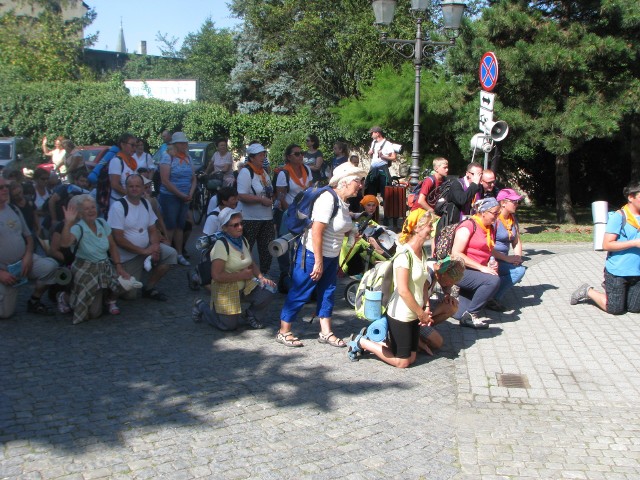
493, 264
266, 286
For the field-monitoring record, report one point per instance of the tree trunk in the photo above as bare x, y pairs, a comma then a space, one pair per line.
564, 208
634, 151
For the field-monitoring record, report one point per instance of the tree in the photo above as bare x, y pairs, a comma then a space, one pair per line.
569, 74
44, 47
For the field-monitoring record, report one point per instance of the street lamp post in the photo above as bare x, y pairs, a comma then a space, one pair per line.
452, 12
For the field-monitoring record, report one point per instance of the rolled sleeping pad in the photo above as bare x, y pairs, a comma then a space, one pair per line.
377, 331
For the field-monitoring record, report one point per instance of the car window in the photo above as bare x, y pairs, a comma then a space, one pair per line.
5, 151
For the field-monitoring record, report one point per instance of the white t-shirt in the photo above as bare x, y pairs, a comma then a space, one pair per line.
417, 276
386, 148
337, 227
212, 225
294, 188
213, 204
144, 161
135, 225
117, 166
254, 211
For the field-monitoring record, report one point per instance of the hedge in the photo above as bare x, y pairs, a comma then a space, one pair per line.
99, 112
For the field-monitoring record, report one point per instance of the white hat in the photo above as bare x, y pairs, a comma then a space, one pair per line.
179, 137
255, 148
225, 215
346, 169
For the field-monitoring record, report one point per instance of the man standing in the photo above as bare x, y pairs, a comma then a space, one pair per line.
622, 267
17, 260
133, 223
488, 182
382, 155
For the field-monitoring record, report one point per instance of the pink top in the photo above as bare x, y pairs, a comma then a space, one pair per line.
477, 248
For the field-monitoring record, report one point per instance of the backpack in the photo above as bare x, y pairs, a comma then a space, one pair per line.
65, 192
276, 172
414, 194
299, 211
103, 188
203, 269
444, 240
379, 278
439, 197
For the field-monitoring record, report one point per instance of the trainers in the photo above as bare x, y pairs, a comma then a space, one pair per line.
582, 293
63, 305
196, 314
496, 306
183, 261
471, 320
253, 321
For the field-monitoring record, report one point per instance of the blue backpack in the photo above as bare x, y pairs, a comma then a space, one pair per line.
299, 212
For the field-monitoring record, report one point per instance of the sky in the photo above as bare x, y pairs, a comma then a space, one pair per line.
143, 19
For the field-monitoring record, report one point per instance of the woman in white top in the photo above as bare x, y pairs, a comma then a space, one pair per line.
316, 262
256, 201
143, 159
226, 197
57, 155
222, 163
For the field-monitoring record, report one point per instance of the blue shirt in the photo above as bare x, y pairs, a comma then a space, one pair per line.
93, 247
180, 174
503, 244
625, 263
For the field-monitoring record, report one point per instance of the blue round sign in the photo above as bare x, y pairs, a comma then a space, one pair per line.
488, 71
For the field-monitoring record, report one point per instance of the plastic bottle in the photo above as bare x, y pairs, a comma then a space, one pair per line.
493, 264
266, 286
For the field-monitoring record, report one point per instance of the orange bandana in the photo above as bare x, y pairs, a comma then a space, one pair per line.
631, 219
488, 230
507, 223
182, 157
302, 181
130, 161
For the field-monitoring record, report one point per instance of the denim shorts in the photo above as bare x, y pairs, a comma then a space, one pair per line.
174, 211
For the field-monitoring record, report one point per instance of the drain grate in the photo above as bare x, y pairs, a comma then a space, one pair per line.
512, 380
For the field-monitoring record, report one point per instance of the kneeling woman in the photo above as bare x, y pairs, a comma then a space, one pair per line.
414, 278
92, 270
235, 278
474, 241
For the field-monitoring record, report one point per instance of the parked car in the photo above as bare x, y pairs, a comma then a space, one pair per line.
201, 153
14, 149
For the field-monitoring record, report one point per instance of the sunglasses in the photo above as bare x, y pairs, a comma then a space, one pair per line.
296, 154
494, 212
234, 225
516, 202
131, 144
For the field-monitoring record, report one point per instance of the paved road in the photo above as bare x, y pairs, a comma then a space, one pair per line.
151, 394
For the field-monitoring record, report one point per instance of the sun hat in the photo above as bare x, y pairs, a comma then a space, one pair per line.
508, 194
178, 137
255, 148
344, 170
225, 215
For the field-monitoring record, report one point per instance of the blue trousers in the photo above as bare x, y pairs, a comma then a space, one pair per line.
302, 287
510, 274
476, 289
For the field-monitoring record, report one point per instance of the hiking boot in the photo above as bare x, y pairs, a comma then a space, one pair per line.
496, 306
196, 314
581, 294
471, 320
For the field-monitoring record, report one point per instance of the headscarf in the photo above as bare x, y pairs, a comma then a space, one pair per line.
368, 199
485, 204
410, 224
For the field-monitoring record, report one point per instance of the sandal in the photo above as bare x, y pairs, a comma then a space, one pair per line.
154, 294
288, 339
354, 352
331, 339
113, 308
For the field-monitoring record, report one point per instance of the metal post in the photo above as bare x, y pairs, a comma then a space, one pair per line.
415, 153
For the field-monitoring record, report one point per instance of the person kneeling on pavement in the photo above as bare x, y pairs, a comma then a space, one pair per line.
474, 241
133, 224
235, 278
18, 262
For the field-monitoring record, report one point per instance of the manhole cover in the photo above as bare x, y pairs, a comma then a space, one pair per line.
512, 380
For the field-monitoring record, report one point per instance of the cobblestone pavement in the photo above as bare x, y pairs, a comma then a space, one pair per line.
151, 394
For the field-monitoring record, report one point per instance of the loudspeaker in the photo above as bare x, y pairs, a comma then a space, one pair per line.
480, 141
498, 131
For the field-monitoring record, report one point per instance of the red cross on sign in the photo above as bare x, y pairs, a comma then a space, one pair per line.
488, 71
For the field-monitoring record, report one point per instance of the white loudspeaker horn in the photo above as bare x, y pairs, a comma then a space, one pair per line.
482, 142
498, 131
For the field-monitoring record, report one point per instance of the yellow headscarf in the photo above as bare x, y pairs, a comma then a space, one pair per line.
410, 223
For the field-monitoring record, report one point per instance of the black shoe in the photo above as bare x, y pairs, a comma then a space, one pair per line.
36, 306
496, 306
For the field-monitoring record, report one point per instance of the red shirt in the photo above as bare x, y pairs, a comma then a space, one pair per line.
427, 187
